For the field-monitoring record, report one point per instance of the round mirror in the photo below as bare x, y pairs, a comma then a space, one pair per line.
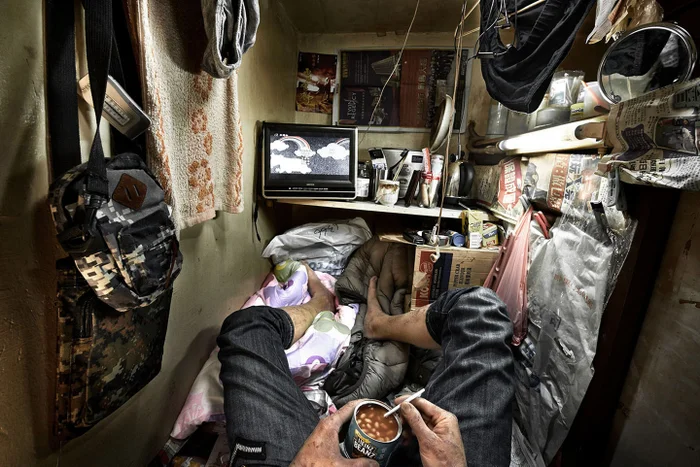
646, 58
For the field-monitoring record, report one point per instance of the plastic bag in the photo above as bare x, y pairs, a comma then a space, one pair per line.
571, 277
508, 276
325, 246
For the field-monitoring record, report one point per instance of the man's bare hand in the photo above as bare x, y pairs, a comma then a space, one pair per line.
437, 432
321, 447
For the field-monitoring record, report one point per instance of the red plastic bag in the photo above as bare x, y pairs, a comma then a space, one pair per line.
508, 276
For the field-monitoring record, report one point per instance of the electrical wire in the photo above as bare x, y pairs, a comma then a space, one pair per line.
465, 16
457, 60
458, 72
488, 28
396, 66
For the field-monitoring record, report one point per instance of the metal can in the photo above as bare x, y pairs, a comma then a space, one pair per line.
456, 238
437, 162
362, 186
360, 444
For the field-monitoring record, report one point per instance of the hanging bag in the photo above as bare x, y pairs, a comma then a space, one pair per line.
110, 214
508, 276
114, 291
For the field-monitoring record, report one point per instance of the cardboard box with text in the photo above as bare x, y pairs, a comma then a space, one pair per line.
455, 269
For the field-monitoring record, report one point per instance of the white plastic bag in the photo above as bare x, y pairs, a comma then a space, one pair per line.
325, 246
570, 279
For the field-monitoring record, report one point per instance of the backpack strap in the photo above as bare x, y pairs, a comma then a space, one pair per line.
98, 43
61, 89
82, 237
61, 92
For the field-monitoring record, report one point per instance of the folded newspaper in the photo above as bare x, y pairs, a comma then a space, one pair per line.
554, 182
656, 138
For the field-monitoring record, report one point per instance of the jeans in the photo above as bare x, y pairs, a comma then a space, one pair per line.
268, 417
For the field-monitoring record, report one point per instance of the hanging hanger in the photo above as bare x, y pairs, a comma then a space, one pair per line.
522, 10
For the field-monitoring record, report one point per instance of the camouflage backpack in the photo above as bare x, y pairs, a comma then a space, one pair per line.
124, 245
110, 214
114, 290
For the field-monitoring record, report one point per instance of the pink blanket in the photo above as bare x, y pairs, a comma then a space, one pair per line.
311, 359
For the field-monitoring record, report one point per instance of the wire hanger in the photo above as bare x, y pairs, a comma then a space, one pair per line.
508, 16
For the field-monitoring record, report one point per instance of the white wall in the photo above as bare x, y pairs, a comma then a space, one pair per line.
221, 268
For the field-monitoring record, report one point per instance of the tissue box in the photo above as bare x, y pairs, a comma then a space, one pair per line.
489, 235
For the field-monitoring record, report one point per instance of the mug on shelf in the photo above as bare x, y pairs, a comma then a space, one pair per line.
388, 192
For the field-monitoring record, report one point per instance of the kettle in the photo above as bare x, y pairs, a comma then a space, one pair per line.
460, 176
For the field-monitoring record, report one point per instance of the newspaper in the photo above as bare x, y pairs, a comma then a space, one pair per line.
656, 138
554, 182
603, 25
617, 16
559, 182
499, 188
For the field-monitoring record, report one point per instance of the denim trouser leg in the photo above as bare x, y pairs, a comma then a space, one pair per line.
475, 379
264, 407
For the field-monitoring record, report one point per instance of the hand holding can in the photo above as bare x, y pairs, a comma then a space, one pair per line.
321, 447
372, 435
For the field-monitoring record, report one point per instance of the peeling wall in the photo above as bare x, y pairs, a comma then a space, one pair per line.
222, 263
658, 418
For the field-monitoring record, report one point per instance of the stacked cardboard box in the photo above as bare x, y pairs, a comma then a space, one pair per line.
455, 269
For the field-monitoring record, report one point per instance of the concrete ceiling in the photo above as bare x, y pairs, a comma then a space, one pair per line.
346, 16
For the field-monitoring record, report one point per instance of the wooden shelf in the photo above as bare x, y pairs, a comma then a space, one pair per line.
369, 206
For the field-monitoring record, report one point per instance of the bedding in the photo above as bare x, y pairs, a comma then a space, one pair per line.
311, 359
370, 368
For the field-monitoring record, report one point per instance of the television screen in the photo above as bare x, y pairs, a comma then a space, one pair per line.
308, 155
309, 161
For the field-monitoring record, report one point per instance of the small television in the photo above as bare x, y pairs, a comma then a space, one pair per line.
308, 161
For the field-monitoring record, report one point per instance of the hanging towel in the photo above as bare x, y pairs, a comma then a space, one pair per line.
195, 143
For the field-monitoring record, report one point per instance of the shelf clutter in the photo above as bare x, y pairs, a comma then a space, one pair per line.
398, 238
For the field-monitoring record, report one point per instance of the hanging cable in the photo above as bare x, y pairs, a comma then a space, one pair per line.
465, 16
458, 65
391, 75
458, 72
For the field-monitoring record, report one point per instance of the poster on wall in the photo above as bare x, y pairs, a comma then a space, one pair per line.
316, 82
411, 94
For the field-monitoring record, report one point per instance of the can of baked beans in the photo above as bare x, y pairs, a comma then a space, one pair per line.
370, 434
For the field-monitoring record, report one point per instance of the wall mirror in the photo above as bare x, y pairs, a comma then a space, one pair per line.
646, 58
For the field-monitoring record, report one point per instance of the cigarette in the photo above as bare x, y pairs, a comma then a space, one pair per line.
410, 398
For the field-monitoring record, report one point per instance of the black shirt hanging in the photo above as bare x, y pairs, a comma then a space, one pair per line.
518, 77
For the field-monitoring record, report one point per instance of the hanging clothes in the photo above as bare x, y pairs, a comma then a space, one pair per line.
519, 77
231, 27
